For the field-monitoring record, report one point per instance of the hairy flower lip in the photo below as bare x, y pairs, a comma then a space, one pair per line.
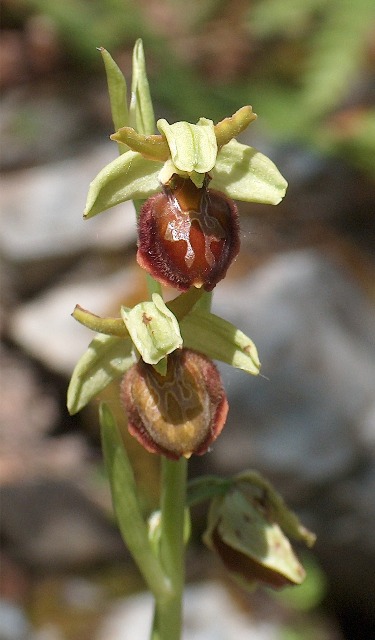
188, 236
178, 414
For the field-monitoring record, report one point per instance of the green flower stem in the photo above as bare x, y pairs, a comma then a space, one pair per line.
168, 612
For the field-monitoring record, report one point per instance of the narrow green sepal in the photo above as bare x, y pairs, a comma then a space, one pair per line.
128, 177
107, 358
231, 127
220, 340
193, 147
153, 147
153, 328
117, 91
243, 173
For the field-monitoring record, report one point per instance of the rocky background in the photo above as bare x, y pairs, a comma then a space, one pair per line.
303, 288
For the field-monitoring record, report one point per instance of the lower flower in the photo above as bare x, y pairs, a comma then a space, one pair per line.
180, 413
188, 236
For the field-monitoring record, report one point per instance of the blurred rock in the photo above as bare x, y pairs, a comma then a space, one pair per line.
209, 614
314, 330
51, 524
45, 328
13, 622
43, 206
29, 412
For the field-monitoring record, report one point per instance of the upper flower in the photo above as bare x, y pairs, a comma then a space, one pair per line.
190, 151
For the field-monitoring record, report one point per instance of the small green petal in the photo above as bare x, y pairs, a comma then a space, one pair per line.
193, 147
153, 328
220, 340
128, 177
141, 111
231, 127
106, 358
153, 147
243, 173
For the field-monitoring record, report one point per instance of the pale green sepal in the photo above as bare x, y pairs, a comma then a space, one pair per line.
128, 177
193, 147
240, 521
243, 173
141, 111
106, 358
127, 508
219, 340
117, 93
153, 329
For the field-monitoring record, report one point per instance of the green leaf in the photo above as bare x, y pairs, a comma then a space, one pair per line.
243, 173
106, 358
153, 328
141, 111
193, 147
128, 177
117, 93
126, 505
219, 340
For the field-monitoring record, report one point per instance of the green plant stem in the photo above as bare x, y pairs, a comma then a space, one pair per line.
168, 612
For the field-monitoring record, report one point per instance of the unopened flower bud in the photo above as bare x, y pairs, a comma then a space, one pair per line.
180, 413
188, 236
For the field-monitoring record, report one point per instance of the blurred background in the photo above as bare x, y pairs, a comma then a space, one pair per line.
303, 288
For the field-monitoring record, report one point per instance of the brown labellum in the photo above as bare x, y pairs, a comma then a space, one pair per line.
188, 236
177, 414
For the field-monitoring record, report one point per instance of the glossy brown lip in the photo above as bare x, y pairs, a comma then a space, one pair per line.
188, 236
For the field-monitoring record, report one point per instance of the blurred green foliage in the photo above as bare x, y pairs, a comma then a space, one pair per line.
307, 66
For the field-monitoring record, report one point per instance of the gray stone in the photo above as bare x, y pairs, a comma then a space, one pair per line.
42, 210
50, 523
209, 614
309, 418
45, 329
